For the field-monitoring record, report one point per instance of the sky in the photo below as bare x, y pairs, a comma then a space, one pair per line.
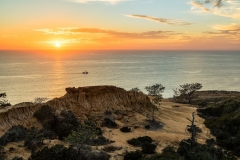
119, 24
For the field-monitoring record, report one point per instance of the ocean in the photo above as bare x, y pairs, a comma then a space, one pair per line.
25, 75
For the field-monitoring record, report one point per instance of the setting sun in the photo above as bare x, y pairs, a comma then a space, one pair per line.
57, 44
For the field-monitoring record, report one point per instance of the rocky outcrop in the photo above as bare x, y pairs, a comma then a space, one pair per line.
83, 101
16, 115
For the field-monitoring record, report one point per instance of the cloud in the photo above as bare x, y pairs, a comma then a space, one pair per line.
60, 31
159, 20
230, 32
109, 33
224, 8
141, 35
199, 5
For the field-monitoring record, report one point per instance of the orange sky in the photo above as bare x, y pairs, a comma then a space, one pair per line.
119, 24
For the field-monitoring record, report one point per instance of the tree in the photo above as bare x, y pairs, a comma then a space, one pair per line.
187, 91
136, 89
79, 138
155, 91
40, 99
3, 101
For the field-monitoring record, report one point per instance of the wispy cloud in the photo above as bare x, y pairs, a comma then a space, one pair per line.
148, 34
159, 20
224, 8
231, 32
109, 33
199, 5
60, 31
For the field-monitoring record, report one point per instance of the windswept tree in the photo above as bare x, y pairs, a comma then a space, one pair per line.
156, 92
186, 91
136, 89
3, 101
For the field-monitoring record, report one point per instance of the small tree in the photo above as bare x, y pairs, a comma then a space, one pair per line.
187, 91
79, 138
3, 101
155, 91
40, 99
136, 89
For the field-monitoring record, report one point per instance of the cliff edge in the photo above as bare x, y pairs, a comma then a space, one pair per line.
83, 101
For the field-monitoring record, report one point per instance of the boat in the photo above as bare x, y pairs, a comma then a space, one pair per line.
85, 72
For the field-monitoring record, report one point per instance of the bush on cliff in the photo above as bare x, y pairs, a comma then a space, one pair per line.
140, 141
125, 129
14, 134
223, 120
44, 113
57, 152
61, 124
148, 148
134, 155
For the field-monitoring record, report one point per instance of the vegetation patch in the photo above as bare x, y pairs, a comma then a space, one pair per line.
111, 148
134, 155
14, 134
126, 129
223, 120
140, 141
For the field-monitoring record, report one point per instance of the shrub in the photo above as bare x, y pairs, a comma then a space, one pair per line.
17, 158
98, 141
2, 153
11, 149
125, 129
69, 117
147, 126
148, 148
34, 139
109, 123
135, 155
98, 155
14, 134
44, 113
140, 141
57, 152
111, 148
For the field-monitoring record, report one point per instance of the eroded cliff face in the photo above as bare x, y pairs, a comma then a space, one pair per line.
19, 114
83, 101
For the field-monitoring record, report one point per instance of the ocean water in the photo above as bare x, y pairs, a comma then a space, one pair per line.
25, 76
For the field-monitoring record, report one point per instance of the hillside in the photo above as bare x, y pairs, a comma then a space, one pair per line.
128, 108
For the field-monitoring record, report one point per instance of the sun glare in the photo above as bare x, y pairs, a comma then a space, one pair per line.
57, 44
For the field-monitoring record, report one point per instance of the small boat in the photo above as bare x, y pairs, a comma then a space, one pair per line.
85, 72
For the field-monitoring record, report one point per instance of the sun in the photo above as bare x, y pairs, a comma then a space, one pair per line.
57, 44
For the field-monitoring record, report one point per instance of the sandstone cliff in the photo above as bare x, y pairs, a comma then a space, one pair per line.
83, 101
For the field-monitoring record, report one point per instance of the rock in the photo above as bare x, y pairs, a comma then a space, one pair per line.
83, 101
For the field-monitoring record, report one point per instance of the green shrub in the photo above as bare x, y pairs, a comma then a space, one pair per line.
109, 123
125, 129
98, 155
57, 152
17, 158
134, 155
14, 134
34, 139
140, 140
147, 126
44, 113
148, 148
111, 148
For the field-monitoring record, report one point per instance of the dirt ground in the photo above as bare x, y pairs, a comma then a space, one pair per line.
172, 118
